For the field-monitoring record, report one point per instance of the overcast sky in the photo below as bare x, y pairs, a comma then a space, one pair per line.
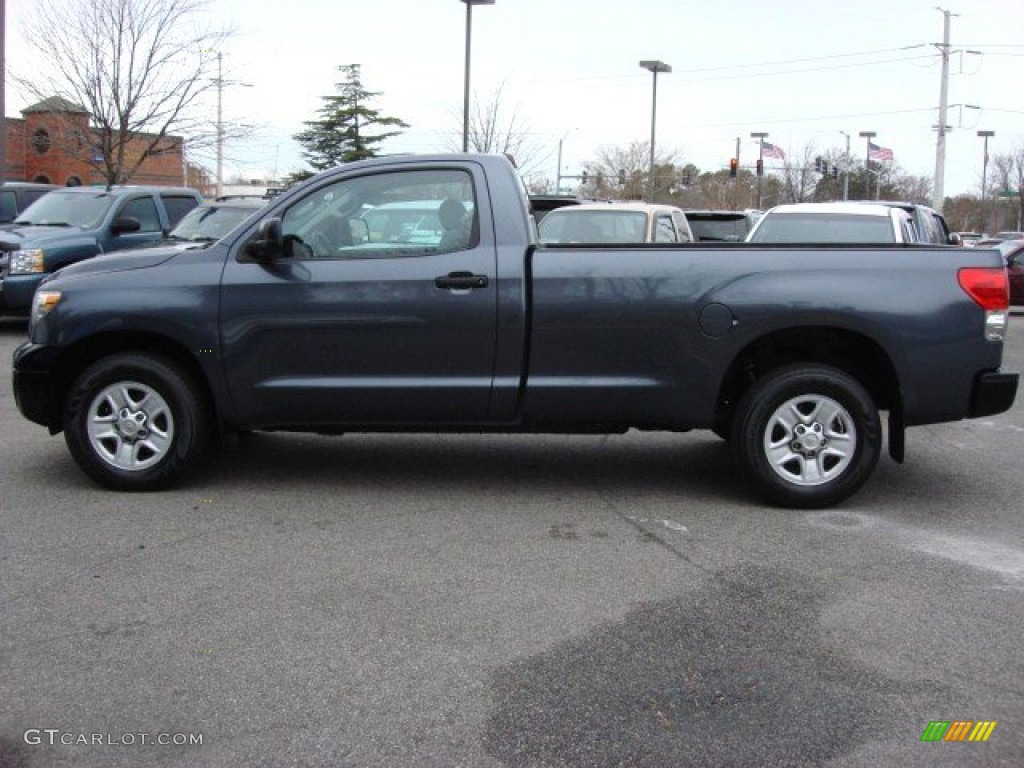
802, 70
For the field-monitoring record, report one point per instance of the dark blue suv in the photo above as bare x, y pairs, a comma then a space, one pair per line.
67, 225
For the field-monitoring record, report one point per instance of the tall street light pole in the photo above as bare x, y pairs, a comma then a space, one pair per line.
984, 178
654, 67
868, 136
220, 122
760, 136
465, 84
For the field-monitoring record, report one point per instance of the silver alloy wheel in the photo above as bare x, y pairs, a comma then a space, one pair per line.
130, 426
810, 440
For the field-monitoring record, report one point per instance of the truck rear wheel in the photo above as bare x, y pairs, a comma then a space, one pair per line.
807, 436
135, 422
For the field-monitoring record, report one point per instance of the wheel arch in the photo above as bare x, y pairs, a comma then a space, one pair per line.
87, 351
850, 351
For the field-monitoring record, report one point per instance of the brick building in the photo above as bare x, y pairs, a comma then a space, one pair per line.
50, 144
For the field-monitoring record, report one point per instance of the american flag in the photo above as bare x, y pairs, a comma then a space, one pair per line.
770, 150
879, 154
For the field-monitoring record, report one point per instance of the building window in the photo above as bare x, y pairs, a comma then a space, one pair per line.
42, 178
41, 141
74, 181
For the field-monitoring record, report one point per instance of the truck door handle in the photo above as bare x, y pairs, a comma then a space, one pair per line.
460, 281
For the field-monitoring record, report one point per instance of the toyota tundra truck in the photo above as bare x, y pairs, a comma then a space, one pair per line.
332, 311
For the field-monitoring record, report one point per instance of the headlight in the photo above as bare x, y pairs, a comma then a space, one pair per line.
26, 262
43, 302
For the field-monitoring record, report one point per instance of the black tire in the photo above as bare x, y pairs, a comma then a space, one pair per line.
807, 436
135, 422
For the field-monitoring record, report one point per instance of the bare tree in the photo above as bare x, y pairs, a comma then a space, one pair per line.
1008, 177
496, 128
621, 172
136, 66
798, 178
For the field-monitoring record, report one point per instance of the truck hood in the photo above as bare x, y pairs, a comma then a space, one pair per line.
121, 260
14, 236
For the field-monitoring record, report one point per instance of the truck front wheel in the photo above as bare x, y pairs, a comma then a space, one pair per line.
135, 422
808, 436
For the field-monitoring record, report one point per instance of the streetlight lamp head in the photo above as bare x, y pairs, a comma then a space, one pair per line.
655, 66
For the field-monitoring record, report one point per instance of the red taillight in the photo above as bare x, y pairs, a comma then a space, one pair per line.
988, 286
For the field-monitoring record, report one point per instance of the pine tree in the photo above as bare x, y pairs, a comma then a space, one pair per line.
344, 132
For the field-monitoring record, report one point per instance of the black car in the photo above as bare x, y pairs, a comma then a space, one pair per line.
1013, 252
723, 226
16, 196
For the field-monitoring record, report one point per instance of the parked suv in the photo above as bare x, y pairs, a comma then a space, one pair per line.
71, 224
930, 224
16, 196
816, 223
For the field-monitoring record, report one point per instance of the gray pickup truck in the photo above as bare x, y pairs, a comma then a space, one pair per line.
70, 224
412, 294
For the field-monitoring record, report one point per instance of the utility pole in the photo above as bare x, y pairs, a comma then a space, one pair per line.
940, 145
220, 126
846, 168
986, 135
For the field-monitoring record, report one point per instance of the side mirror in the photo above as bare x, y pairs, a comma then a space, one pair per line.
125, 224
955, 239
268, 243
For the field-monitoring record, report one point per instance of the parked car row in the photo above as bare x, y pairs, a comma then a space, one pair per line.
65, 225
44, 227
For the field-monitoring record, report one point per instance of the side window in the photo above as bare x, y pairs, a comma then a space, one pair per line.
177, 206
143, 209
664, 230
8, 206
385, 215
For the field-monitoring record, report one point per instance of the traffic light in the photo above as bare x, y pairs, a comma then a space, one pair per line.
622, 177
734, 165
820, 165
835, 171
760, 167
584, 177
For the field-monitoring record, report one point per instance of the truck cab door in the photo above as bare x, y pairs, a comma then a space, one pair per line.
376, 307
143, 209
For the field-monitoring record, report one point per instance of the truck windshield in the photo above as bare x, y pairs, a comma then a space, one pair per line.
208, 223
84, 209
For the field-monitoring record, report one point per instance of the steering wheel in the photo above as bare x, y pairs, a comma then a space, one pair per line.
322, 245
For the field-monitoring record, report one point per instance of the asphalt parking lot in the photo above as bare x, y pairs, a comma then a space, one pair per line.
393, 600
